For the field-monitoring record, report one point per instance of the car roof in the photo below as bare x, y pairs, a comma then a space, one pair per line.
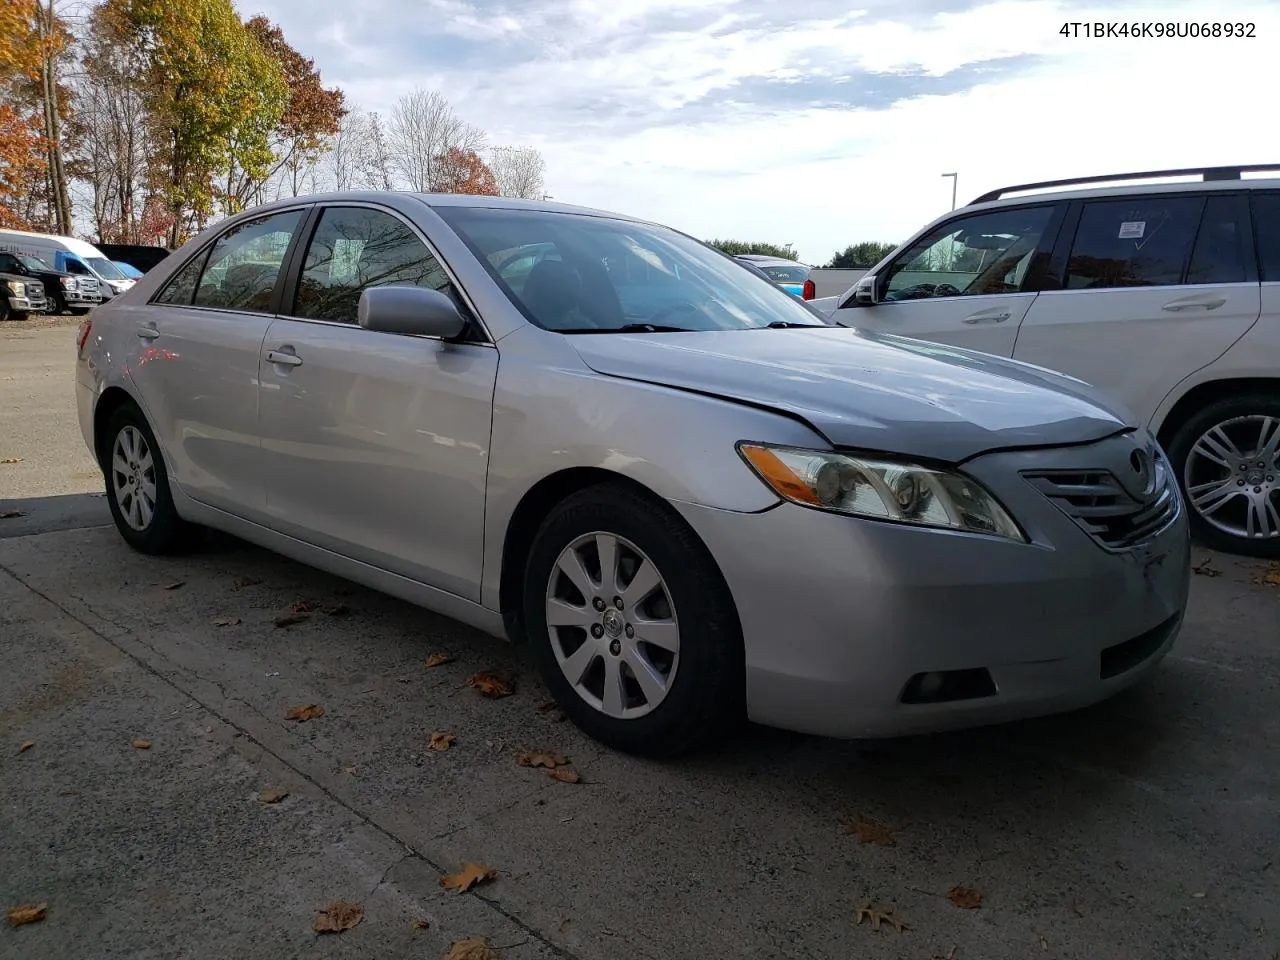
1125, 189
762, 258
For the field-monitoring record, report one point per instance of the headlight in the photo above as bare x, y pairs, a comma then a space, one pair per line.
17, 288
880, 488
68, 283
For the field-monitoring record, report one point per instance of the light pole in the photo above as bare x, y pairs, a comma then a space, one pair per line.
955, 177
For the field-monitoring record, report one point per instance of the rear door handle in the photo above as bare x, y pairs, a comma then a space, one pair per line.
284, 359
987, 317
147, 333
1194, 303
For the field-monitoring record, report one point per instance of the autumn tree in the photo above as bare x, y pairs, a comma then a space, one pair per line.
214, 96
21, 161
519, 172
424, 129
462, 171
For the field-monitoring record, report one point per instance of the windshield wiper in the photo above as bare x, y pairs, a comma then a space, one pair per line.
633, 328
788, 325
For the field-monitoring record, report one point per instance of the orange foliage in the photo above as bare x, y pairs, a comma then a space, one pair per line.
462, 171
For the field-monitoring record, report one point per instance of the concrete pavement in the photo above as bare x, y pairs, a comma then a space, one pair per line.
1146, 827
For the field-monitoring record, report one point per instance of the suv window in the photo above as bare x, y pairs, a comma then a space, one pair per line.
1218, 256
354, 248
1266, 219
243, 266
980, 254
1135, 242
10, 263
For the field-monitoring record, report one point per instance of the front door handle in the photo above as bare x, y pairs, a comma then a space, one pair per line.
284, 359
987, 317
1194, 303
147, 333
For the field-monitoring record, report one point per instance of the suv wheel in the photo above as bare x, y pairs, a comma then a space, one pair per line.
633, 626
1227, 458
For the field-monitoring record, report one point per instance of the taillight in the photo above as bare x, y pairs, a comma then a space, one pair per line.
809, 290
82, 335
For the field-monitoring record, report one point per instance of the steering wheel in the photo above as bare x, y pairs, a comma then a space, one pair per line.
683, 306
946, 290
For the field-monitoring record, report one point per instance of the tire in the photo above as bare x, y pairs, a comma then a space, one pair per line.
159, 530
57, 305
1251, 421
704, 699
8, 313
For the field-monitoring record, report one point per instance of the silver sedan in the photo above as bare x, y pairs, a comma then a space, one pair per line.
598, 436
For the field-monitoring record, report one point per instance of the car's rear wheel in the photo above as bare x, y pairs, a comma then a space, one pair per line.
634, 628
57, 305
138, 486
1227, 458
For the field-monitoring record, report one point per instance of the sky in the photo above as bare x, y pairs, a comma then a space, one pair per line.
818, 123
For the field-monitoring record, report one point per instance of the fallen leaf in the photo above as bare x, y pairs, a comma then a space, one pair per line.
290, 619
338, 610
273, 795
951, 955
869, 831
877, 916
176, 585
227, 622
142, 744
11, 460
546, 706
1206, 569
565, 775
541, 758
441, 741
27, 913
302, 714
1272, 577
492, 685
302, 606
438, 659
26, 746
468, 877
241, 582
966, 898
472, 948
10, 514
421, 924
337, 917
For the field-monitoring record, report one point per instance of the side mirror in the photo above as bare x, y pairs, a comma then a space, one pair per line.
410, 311
864, 292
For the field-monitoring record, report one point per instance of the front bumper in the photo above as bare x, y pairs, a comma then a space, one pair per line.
27, 304
77, 298
840, 615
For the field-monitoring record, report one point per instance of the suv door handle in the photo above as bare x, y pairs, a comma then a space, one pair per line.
147, 333
1191, 303
284, 359
987, 316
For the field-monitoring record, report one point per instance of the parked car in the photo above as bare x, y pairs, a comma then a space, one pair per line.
790, 275
130, 271
694, 499
20, 296
64, 292
139, 256
1166, 296
70, 255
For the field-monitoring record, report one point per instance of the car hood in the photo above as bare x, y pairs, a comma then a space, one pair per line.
870, 390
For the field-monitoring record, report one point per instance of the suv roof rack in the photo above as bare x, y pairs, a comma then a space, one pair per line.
1207, 174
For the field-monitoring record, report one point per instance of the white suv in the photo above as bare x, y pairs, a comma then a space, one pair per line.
1165, 295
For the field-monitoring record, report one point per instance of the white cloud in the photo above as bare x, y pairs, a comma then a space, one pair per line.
600, 89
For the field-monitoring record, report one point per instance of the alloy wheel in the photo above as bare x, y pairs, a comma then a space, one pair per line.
133, 478
612, 625
1232, 477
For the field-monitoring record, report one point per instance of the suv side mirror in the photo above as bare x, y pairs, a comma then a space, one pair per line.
864, 292
410, 311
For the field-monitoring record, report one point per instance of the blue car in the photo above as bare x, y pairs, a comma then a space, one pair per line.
129, 271
791, 276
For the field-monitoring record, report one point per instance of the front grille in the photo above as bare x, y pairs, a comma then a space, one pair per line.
1100, 505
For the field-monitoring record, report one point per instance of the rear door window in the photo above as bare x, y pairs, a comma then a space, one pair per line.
1135, 242
245, 263
1266, 220
1219, 253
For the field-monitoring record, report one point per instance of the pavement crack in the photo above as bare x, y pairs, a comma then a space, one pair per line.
534, 933
407, 855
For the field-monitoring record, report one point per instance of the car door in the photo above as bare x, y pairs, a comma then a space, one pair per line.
376, 445
968, 282
1150, 289
196, 362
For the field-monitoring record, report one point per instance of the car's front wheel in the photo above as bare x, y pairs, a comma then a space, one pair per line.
138, 486
635, 630
1227, 458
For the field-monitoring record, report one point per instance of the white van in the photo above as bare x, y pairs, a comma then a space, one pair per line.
69, 254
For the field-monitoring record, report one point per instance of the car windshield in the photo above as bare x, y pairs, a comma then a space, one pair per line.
577, 273
127, 269
785, 274
105, 268
34, 263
